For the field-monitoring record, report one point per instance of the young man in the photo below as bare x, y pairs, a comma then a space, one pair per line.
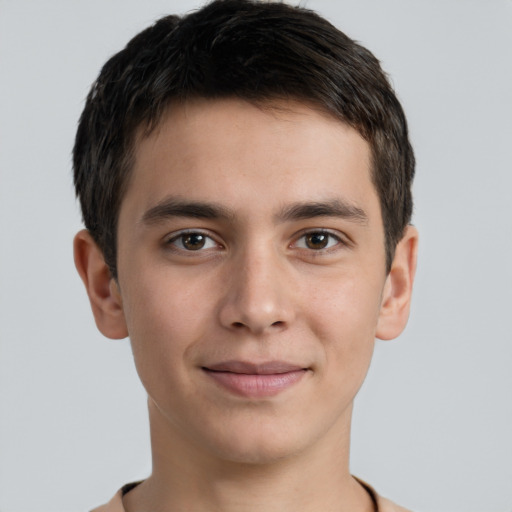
244, 174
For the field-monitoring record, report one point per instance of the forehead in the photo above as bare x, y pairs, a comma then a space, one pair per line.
249, 157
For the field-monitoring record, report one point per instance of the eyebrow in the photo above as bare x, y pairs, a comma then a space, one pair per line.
332, 208
173, 207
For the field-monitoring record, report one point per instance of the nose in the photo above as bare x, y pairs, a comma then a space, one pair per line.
258, 294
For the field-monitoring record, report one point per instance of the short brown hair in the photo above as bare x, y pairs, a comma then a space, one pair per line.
256, 51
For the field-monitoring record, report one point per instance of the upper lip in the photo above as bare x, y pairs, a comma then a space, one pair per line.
265, 368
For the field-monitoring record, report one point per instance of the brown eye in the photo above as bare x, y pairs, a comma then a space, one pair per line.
317, 240
192, 241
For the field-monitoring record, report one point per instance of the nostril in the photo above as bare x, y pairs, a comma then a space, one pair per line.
241, 325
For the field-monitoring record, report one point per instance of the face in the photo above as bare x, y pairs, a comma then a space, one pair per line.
251, 273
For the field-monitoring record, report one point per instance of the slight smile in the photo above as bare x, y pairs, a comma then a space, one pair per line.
255, 380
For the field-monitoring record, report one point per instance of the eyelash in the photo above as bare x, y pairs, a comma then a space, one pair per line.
340, 241
173, 241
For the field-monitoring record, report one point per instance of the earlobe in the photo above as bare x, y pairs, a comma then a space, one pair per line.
396, 297
102, 289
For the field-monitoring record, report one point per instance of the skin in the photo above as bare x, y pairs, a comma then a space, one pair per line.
261, 288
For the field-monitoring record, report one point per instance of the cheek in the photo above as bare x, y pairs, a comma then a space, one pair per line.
166, 317
344, 314
164, 303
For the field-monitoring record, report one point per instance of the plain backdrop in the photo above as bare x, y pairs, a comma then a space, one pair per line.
433, 422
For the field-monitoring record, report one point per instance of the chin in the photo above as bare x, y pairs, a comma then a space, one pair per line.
261, 445
257, 454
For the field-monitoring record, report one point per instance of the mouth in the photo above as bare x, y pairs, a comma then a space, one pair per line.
252, 380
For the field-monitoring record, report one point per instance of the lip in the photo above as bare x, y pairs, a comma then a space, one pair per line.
255, 380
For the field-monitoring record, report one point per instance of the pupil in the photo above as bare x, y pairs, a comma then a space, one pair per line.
317, 240
193, 241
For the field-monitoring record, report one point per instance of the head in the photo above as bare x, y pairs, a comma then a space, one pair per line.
244, 174
255, 51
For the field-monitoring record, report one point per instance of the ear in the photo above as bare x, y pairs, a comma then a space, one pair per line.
101, 287
396, 297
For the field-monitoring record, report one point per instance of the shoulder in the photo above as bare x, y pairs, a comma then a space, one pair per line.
114, 505
385, 505
381, 504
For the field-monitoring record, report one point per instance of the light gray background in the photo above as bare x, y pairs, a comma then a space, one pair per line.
433, 423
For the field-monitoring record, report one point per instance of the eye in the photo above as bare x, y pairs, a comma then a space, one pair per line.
192, 241
318, 240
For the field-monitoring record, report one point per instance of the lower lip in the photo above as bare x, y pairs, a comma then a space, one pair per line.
256, 386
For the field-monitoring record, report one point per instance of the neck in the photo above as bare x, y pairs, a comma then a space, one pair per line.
186, 477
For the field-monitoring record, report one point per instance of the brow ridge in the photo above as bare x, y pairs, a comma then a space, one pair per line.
331, 208
174, 207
